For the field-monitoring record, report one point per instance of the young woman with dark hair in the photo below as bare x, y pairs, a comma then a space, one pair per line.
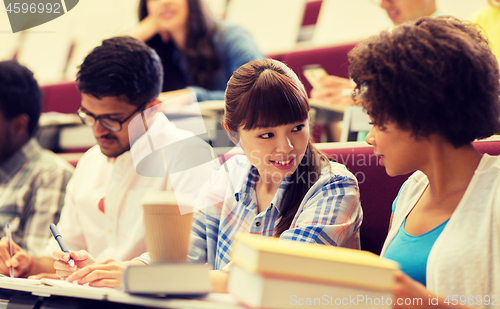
198, 53
283, 186
431, 87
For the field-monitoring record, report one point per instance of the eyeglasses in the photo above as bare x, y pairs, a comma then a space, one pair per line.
111, 124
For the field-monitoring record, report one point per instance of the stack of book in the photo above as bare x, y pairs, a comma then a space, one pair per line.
168, 279
272, 273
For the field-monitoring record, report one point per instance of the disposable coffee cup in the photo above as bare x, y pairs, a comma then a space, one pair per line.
167, 221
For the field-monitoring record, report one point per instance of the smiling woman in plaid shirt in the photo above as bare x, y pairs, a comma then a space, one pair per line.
283, 186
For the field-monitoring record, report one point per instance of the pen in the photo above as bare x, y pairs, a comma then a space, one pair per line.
60, 241
9, 239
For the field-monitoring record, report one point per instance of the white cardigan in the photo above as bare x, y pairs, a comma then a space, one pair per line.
465, 259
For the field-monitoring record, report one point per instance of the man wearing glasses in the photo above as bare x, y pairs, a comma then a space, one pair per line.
120, 82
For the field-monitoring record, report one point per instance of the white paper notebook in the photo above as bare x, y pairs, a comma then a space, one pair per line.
49, 287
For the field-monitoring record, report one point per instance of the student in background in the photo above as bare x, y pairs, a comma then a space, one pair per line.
32, 180
489, 21
199, 53
120, 81
399, 11
335, 89
431, 87
282, 187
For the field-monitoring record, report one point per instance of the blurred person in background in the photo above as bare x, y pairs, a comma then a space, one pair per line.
489, 21
32, 180
401, 11
337, 90
198, 53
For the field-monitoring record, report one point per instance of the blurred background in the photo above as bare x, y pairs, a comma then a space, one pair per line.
55, 49
297, 32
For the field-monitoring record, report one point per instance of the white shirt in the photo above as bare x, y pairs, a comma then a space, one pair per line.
118, 232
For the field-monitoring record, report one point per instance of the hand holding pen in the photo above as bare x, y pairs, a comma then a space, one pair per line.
60, 241
9, 244
12, 256
68, 262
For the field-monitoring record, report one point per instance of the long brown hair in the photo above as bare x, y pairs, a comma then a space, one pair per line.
266, 93
199, 49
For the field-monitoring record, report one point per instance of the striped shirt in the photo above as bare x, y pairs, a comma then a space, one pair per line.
32, 190
329, 214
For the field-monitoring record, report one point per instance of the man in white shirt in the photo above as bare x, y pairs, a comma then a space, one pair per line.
120, 82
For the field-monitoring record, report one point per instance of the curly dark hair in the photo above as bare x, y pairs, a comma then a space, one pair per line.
430, 76
19, 93
121, 67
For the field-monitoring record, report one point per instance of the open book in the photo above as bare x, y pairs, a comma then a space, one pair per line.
47, 287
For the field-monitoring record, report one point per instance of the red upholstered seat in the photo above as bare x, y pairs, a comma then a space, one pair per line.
490, 147
377, 192
311, 12
62, 98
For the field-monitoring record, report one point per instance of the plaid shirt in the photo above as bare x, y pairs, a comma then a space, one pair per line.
329, 214
32, 189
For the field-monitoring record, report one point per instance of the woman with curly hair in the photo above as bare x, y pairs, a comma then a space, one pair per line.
431, 87
197, 52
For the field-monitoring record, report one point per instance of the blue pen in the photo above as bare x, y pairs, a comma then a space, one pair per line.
9, 239
60, 241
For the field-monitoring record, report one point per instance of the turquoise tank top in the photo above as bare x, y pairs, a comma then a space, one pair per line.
411, 252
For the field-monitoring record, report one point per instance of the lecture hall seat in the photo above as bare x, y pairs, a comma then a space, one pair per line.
311, 12
61, 98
